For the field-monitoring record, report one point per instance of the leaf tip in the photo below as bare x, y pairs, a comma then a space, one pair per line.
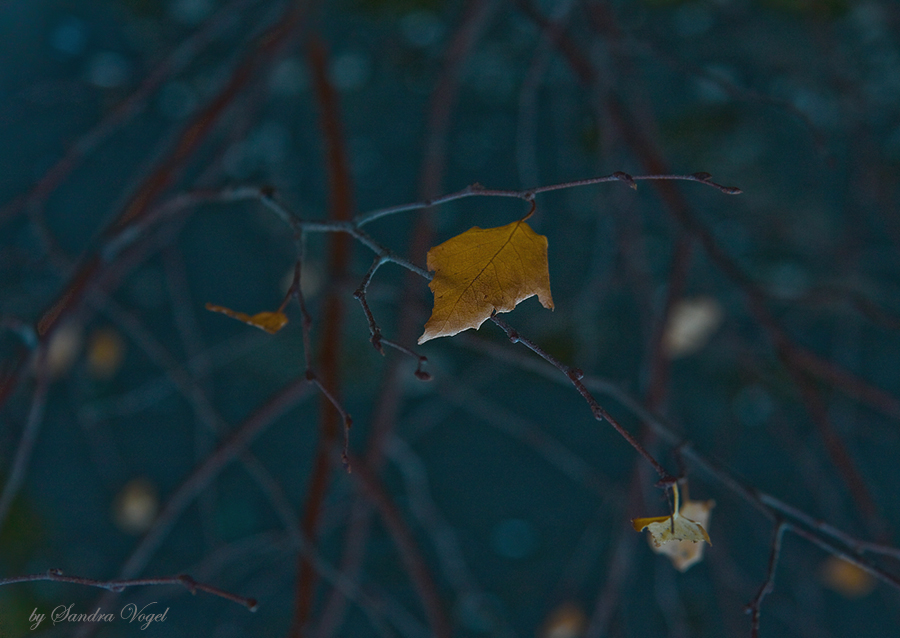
271, 322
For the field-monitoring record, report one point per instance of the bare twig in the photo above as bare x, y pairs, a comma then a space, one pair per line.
56, 576
822, 534
375, 332
755, 605
383, 255
29, 435
574, 375
477, 190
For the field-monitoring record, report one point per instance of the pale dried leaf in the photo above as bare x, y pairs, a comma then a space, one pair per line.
664, 529
685, 553
680, 536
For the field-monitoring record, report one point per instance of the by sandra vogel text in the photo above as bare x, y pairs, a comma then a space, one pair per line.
142, 616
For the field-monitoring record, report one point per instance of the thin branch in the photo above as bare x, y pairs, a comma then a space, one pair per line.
264, 49
29, 435
56, 576
648, 152
818, 532
360, 295
127, 109
755, 605
345, 416
376, 337
477, 190
574, 375
384, 255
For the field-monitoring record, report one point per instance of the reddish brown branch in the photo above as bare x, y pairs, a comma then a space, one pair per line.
837, 451
847, 382
341, 209
174, 162
131, 106
412, 558
649, 155
659, 358
476, 16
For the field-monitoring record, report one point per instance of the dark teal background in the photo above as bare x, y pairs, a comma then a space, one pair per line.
518, 500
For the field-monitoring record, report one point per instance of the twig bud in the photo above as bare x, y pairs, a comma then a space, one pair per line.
625, 177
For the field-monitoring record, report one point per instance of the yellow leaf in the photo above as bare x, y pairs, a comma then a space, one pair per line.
680, 536
482, 271
271, 322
